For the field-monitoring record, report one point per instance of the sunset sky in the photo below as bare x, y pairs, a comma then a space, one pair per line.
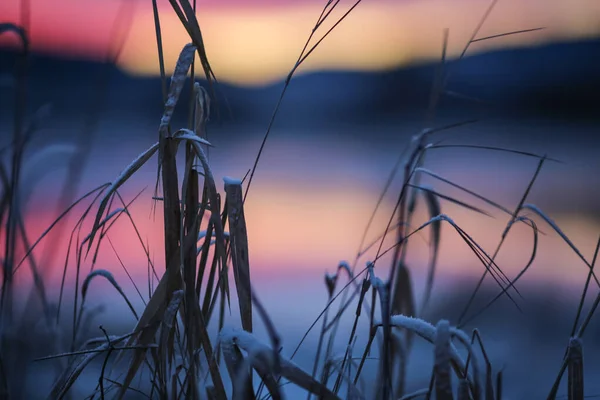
256, 42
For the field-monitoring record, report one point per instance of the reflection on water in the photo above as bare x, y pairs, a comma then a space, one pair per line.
314, 193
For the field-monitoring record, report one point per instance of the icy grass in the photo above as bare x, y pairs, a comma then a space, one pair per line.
206, 243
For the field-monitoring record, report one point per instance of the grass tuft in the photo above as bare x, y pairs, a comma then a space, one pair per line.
170, 349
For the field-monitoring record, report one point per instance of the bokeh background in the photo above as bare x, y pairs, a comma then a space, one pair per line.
346, 118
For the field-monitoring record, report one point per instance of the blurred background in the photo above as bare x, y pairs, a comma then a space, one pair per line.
348, 114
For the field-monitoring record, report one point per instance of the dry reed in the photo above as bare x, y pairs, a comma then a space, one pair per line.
171, 343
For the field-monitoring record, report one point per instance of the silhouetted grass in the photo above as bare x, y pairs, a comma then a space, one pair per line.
205, 234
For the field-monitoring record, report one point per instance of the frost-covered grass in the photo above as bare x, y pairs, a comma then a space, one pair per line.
170, 352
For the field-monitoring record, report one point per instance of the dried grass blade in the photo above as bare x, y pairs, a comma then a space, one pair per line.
492, 148
464, 189
489, 386
166, 351
57, 220
186, 56
239, 246
64, 383
69, 375
499, 385
210, 282
512, 283
507, 34
188, 18
234, 361
372, 334
171, 203
352, 392
159, 45
383, 290
184, 61
403, 302
463, 390
585, 289
148, 324
116, 184
212, 194
515, 213
564, 237
477, 386
487, 261
435, 209
575, 369
427, 331
441, 368
190, 225
261, 358
110, 278
348, 353
137, 232
304, 54
450, 199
